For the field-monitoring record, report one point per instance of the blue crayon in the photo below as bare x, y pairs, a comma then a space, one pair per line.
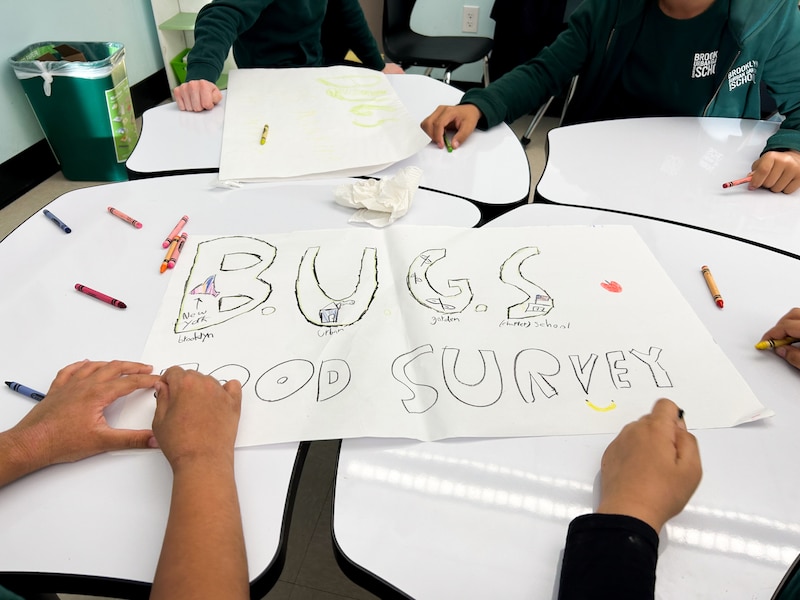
57, 221
25, 391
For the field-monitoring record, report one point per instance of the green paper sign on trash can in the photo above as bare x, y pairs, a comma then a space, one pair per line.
80, 95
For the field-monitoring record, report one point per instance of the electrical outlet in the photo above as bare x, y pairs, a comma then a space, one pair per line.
469, 19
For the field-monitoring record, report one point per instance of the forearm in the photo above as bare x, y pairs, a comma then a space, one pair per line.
18, 456
203, 554
216, 28
597, 547
780, 78
531, 84
786, 138
515, 94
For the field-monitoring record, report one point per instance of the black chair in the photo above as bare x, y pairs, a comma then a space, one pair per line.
410, 49
539, 115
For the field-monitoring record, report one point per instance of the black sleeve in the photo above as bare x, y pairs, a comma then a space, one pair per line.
609, 556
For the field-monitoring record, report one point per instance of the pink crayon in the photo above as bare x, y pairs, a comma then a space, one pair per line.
175, 232
737, 182
177, 252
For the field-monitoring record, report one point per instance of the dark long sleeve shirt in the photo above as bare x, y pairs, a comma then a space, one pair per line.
609, 557
760, 43
275, 33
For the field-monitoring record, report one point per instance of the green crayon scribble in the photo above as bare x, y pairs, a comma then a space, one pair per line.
374, 123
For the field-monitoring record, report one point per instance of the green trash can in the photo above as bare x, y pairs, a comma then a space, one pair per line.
83, 105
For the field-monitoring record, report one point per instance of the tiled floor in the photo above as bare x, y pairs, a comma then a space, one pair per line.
310, 571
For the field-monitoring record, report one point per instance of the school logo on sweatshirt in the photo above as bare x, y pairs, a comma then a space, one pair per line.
745, 73
705, 64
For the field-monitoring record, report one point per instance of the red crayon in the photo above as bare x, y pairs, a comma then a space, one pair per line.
737, 182
100, 296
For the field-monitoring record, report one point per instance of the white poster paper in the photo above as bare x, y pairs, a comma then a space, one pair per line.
432, 333
327, 121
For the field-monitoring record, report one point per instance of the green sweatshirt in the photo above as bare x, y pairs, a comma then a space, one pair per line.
760, 42
274, 33
6, 595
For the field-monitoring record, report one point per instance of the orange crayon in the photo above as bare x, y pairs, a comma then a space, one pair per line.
173, 244
712, 286
174, 258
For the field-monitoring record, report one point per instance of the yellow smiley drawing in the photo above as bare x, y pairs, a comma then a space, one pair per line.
611, 406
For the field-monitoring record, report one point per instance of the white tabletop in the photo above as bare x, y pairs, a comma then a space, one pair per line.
488, 518
491, 167
672, 168
105, 516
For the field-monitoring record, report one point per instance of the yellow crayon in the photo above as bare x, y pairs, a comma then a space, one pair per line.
770, 344
264, 133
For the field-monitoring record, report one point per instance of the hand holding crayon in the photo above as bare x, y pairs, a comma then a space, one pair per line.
782, 337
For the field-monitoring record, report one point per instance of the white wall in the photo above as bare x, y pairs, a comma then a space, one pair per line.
23, 23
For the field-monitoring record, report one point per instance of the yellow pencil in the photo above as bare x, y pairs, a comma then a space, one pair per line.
264, 133
770, 344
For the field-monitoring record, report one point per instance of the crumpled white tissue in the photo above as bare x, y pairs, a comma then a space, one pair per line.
380, 201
